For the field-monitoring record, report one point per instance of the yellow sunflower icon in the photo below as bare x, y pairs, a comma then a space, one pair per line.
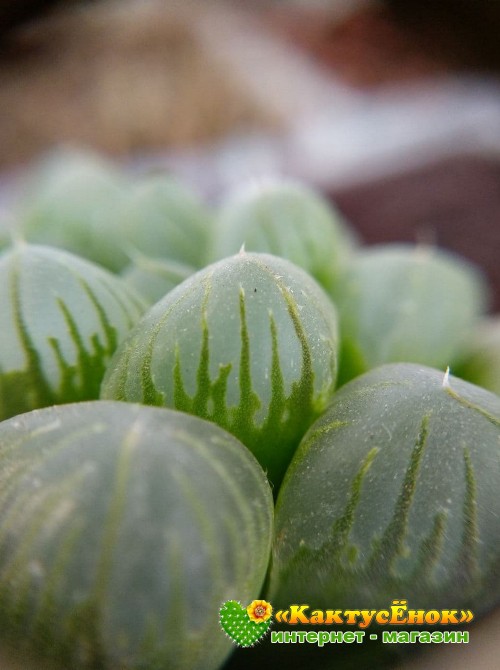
259, 611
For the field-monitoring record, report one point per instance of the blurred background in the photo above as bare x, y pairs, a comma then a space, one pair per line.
391, 108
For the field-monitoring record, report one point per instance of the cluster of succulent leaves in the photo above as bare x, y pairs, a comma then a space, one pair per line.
284, 360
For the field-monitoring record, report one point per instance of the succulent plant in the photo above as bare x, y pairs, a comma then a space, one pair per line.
480, 359
393, 493
155, 277
67, 201
249, 342
62, 318
136, 537
404, 303
161, 218
122, 529
5, 239
286, 219
77, 201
